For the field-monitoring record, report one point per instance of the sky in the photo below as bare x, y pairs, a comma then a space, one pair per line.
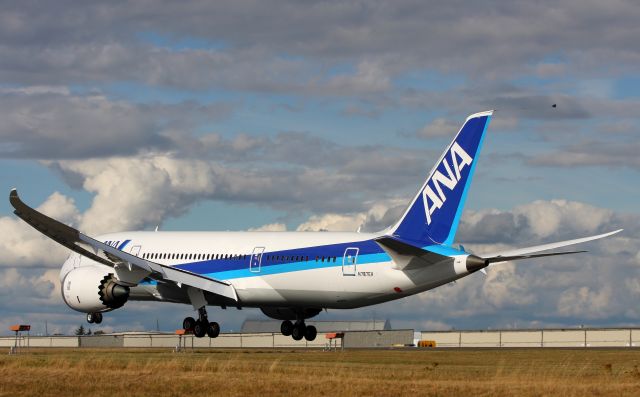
283, 115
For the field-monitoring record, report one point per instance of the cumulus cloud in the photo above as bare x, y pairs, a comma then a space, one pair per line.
536, 221
369, 77
333, 222
593, 153
22, 246
51, 122
504, 287
584, 302
392, 36
439, 127
270, 227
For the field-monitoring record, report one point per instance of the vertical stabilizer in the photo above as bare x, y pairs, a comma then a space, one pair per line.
434, 214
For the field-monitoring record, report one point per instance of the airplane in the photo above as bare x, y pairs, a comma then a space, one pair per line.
289, 276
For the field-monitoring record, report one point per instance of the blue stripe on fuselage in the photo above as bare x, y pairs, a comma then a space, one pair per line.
290, 258
124, 244
369, 253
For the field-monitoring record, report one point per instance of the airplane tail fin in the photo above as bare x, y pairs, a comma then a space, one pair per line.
434, 214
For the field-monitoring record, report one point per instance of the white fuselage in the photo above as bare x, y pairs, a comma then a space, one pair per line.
282, 269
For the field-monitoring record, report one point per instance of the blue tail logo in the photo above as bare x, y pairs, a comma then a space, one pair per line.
434, 214
432, 201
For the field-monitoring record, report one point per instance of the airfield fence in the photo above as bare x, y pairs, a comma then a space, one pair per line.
541, 338
582, 337
153, 340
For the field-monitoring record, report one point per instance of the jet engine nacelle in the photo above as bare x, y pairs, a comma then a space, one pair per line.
92, 289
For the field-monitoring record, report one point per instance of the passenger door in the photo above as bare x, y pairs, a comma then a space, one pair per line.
135, 250
256, 259
349, 261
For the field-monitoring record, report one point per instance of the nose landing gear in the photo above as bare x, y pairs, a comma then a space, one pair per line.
298, 330
94, 318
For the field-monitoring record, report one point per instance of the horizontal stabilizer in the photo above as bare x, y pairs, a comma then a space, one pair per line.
407, 256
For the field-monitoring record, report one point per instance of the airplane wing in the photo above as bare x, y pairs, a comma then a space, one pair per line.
407, 256
534, 252
129, 268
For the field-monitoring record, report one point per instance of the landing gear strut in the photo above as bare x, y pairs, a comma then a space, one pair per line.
201, 326
298, 330
94, 318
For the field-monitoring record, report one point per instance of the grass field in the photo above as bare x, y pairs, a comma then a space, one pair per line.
521, 372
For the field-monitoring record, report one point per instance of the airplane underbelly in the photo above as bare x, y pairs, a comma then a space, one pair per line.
326, 287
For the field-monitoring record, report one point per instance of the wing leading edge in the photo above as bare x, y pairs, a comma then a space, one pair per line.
130, 269
534, 252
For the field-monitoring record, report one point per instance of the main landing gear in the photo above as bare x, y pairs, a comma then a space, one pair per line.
201, 326
94, 318
298, 330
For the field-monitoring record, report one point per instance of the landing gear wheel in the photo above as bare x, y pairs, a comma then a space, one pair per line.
188, 323
90, 318
213, 330
97, 318
310, 332
286, 328
298, 331
200, 329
